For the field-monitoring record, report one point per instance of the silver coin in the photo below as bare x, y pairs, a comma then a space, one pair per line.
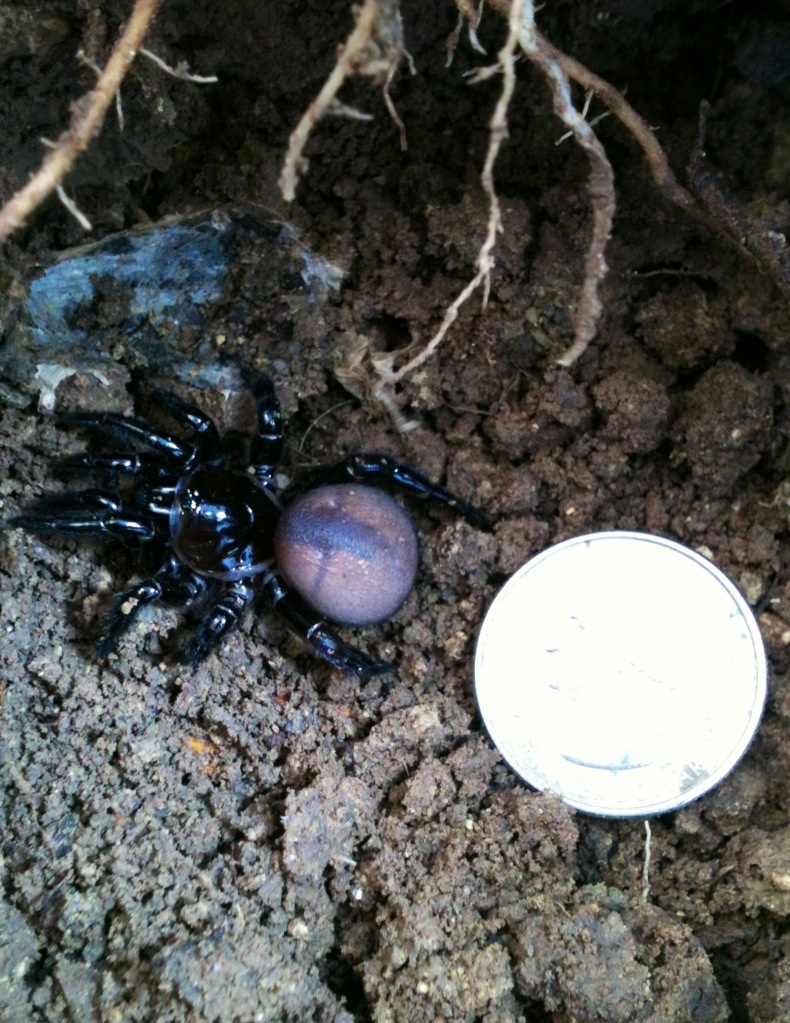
622, 671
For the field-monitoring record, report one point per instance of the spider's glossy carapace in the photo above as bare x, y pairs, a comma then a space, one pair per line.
222, 524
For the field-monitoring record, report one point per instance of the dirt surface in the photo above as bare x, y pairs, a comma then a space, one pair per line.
261, 837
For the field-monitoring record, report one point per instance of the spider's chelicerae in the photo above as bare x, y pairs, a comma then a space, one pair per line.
218, 538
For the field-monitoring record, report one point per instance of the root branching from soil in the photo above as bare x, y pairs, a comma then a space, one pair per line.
375, 48
87, 119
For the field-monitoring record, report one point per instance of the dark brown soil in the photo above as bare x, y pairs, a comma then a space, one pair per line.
262, 838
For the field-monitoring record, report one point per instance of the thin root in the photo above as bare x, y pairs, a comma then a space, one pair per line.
73, 209
86, 122
373, 50
485, 260
710, 206
180, 71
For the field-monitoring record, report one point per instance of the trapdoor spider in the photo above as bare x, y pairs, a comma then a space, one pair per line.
218, 538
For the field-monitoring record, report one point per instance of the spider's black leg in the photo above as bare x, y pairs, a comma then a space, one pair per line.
205, 433
127, 428
222, 616
322, 640
85, 513
173, 581
267, 446
372, 466
109, 467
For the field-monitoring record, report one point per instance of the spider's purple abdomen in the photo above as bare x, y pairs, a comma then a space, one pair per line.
349, 550
222, 524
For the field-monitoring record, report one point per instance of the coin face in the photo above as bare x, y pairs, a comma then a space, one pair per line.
622, 671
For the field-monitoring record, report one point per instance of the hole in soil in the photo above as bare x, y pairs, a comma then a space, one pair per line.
729, 975
392, 331
343, 980
535, 1011
751, 352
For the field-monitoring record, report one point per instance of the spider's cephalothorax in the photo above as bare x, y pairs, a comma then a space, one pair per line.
218, 538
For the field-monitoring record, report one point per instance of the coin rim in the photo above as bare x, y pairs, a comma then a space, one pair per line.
712, 778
